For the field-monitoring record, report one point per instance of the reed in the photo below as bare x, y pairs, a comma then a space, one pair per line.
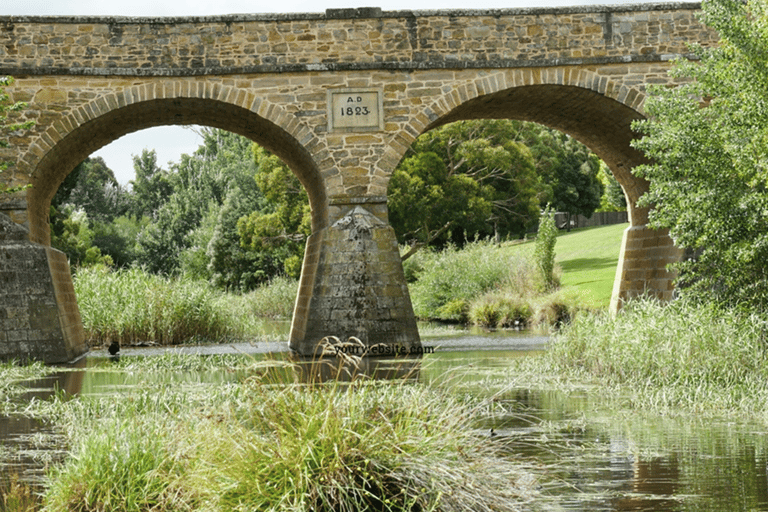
675, 355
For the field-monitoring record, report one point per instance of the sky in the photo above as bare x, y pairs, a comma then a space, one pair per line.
172, 141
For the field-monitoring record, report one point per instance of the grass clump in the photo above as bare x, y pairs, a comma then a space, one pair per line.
268, 445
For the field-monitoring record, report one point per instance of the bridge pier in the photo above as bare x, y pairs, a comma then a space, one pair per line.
39, 318
353, 284
642, 270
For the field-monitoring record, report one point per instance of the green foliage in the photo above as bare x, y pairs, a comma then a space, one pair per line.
266, 443
92, 187
278, 231
568, 169
452, 278
470, 177
501, 311
71, 234
707, 139
613, 198
7, 128
544, 252
131, 306
151, 187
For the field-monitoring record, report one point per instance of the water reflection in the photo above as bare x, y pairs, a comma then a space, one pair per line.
28, 445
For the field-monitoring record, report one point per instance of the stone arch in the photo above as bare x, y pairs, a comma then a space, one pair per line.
596, 111
88, 127
593, 109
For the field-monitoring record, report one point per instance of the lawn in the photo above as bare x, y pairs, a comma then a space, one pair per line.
588, 258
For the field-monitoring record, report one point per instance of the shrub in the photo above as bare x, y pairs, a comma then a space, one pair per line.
544, 252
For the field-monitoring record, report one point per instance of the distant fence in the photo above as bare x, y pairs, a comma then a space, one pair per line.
597, 219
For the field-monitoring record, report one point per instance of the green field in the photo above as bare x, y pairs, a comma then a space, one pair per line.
588, 258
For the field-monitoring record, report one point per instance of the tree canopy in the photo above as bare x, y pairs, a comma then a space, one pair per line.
708, 141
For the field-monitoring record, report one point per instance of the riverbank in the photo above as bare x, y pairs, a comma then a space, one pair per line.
668, 358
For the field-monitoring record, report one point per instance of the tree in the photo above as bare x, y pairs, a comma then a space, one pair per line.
470, 176
708, 141
152, 186
280, 229
93, 188
8, 128
568, 168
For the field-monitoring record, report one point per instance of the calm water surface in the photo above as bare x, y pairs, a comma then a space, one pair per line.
593, 459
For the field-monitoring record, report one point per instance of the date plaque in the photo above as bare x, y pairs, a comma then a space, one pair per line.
355, 110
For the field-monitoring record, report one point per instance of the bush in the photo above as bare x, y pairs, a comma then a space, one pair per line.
451, 279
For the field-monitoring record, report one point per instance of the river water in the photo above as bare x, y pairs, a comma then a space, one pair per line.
594, 459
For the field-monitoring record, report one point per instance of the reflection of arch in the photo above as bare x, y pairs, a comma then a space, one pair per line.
89, 127
592, 109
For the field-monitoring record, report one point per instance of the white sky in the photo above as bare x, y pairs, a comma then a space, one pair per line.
172, 141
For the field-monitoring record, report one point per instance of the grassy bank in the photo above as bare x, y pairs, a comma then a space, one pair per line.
670, 358
498, 285
262, 443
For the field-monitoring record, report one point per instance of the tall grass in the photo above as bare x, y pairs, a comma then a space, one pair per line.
133, 306
671, 355
271, 446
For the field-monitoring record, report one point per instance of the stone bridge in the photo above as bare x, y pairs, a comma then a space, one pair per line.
339, 96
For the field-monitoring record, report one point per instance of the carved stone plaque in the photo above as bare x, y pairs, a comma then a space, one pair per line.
355, 110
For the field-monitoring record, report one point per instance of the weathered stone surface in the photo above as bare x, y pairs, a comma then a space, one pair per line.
582, 70
359, 289
39, 319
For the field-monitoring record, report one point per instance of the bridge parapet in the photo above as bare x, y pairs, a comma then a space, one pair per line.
347, 39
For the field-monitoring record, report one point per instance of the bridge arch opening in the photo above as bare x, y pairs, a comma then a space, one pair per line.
54, 166
599, 114
601, 123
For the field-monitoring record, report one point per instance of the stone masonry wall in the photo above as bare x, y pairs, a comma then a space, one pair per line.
345, 39
39, 319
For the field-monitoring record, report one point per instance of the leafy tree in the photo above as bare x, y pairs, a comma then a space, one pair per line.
7, 128
708, 140
152, 186
568, 168
280, 229
183, 224
92, 187
72, 235
469, 176
613, 198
